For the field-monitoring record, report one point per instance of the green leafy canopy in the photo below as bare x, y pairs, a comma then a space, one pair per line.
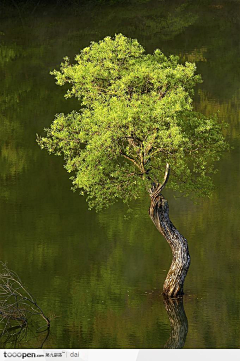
135, 116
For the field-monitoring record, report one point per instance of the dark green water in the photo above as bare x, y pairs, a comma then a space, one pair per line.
100, 276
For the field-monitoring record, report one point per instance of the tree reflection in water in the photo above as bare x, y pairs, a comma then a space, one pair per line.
20, 315
178, 321
179, 328
24, 337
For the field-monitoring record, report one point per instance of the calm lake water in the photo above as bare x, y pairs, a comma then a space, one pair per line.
99, 276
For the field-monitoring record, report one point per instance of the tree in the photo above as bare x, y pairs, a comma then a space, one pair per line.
136, 119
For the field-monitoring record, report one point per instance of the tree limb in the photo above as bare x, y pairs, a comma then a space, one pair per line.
132, 160
157, 189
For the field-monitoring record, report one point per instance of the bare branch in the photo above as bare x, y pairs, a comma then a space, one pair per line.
17, 305
157, 189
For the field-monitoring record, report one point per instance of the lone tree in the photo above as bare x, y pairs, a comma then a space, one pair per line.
136, 119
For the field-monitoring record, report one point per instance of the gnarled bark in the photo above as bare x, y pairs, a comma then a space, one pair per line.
159, 213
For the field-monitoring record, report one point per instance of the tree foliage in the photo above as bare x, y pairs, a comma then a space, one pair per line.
136, 115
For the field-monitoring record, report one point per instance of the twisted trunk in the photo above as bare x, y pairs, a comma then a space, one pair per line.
159, 213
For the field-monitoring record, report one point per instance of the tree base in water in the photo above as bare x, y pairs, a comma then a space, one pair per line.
159, 213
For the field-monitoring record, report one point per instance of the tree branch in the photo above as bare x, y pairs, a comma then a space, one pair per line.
132, 160
157, 189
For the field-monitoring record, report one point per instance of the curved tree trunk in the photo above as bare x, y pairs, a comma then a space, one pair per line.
178, 321
159, 213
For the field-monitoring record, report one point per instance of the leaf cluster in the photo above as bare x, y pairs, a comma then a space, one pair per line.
136, 114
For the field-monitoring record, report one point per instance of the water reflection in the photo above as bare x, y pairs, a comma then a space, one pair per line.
178, 321
20, 315
179, 328
23, 337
